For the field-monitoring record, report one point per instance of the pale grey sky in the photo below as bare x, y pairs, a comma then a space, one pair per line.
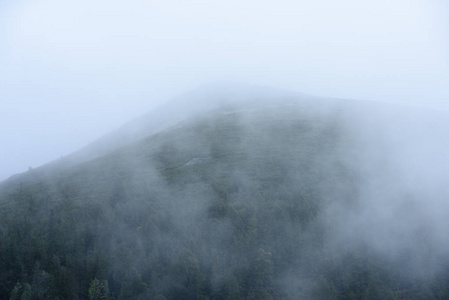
71, 71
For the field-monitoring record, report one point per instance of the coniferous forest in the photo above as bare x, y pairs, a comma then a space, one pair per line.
280, 200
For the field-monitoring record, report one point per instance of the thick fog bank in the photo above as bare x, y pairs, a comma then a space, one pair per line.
402, 167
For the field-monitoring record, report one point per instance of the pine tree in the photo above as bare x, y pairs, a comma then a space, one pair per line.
98, 290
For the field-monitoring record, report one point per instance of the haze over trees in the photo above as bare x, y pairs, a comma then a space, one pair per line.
238, 194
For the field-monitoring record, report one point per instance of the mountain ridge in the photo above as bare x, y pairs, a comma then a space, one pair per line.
197, 101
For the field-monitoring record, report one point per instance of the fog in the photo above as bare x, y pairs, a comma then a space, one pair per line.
71, 72
402, 196
354, 177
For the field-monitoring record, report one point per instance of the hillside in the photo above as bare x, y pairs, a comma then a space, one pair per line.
275, 197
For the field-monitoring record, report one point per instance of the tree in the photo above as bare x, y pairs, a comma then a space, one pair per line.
98, 289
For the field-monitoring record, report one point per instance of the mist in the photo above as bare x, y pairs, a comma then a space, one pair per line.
401, 195
224, 150
72, 72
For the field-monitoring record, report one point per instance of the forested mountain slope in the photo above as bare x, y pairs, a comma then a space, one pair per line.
283, 198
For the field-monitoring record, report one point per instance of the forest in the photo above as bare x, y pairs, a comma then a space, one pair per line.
266, 202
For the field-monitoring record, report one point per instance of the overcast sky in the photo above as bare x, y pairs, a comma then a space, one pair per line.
71, 71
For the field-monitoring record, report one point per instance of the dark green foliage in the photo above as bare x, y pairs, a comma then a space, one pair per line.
98, 290
229, 206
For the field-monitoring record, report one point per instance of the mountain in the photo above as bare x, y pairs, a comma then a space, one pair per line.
201, 100
238, 193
